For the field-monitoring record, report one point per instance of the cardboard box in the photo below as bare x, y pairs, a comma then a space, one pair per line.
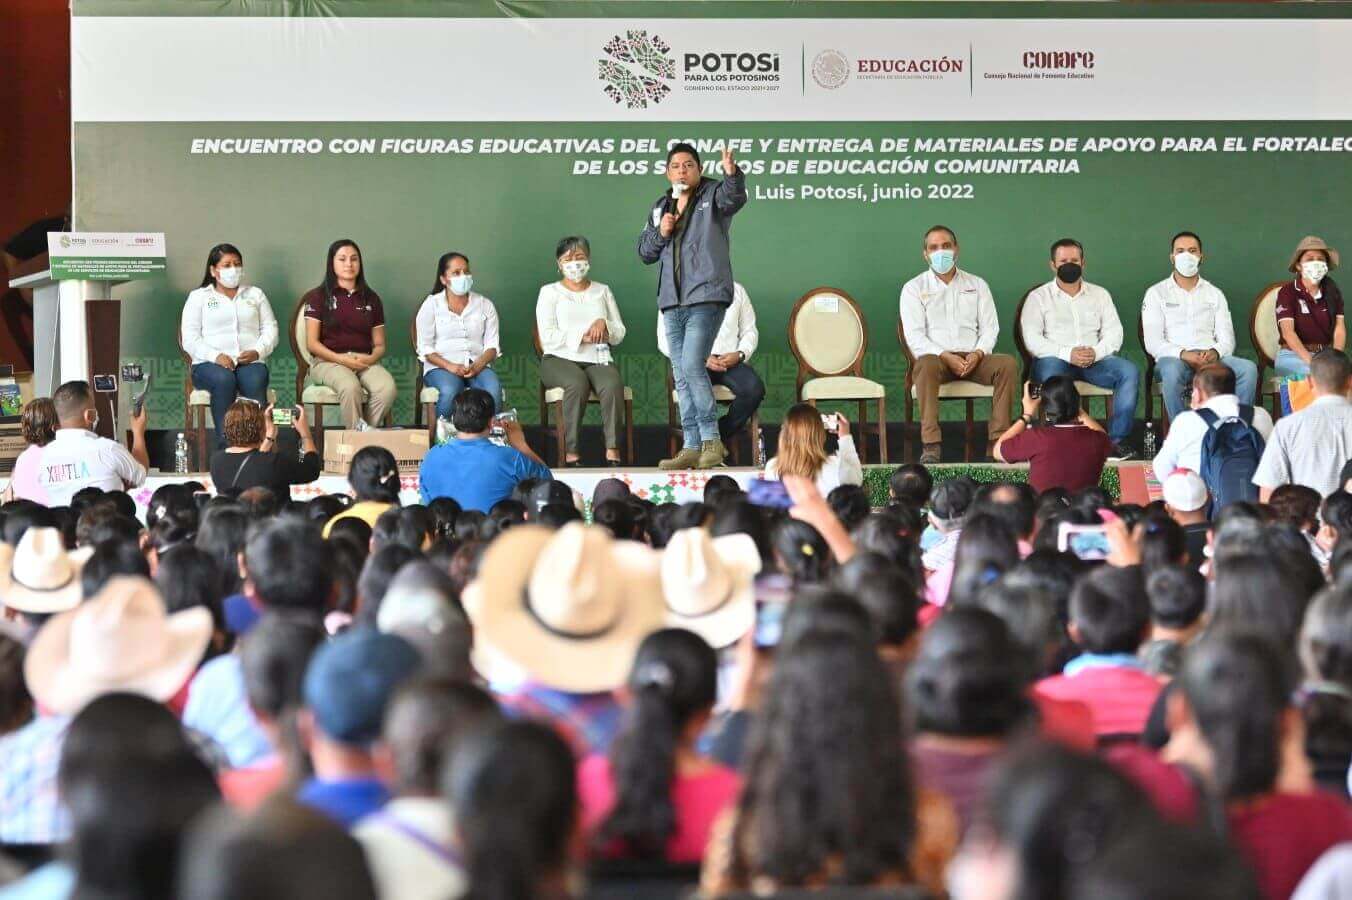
409, 446
11, 445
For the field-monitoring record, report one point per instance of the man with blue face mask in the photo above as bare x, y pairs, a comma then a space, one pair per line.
949, 319
1185, 320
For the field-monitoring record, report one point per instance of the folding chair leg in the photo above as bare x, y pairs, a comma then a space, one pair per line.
317, 426
908, 408
882, 430
753, 439
429, 412
559, 432
863, 431
1108, 409
200, 439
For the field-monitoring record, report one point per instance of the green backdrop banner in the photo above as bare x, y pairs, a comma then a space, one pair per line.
836, 201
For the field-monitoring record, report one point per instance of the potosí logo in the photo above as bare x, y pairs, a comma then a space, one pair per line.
720, 66
637, 69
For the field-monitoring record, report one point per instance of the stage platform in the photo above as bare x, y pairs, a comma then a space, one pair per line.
1137, 482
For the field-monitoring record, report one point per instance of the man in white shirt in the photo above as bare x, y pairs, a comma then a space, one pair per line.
1311, 447
951, 326
1213, 388
1071, 328
1186, 323
736, 340
78, 458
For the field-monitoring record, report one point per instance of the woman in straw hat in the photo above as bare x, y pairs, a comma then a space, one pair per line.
1309, 308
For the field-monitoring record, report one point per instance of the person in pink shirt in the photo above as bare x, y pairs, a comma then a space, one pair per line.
654, 796
1109, 618
38, 424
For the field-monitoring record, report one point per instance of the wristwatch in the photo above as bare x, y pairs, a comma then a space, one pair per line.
1027, 420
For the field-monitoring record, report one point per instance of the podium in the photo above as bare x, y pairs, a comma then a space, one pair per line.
76, 333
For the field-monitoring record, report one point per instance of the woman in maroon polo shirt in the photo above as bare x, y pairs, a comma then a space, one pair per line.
1309, 308
345, 334
1067, 451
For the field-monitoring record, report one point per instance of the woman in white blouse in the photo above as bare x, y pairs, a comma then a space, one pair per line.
457, 335
229, 331
802, 450
578, 322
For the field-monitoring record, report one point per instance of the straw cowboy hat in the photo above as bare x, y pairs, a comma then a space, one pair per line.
121, 639
39, 576
568, 607
707, 584
1310, 242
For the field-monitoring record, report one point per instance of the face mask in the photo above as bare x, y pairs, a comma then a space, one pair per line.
576, 269
461, 284
941, 261
229, 276
1069, 273
1314, 270
1187, 264
94, 425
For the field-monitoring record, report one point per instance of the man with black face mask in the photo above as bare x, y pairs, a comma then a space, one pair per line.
1071, 328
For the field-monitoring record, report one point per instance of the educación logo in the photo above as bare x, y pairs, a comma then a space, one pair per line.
637, 69
830, 69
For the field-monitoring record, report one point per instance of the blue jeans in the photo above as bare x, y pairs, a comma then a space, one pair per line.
226, 384
450, 385
1113, 372
743, 381
690, 338
1288, 364
1176, 376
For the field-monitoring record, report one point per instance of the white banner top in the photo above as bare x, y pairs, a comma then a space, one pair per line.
241, 69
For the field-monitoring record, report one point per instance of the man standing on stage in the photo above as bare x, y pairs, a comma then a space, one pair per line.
687, 234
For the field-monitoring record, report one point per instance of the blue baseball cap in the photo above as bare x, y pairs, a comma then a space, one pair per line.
351, 679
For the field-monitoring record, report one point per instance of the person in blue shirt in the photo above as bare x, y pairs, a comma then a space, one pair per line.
472, 470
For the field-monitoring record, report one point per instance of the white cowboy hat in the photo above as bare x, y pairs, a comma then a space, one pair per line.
121, 639
568, 607
39, 576
708, 584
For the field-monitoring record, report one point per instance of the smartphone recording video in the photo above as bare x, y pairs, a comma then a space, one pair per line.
1089, 542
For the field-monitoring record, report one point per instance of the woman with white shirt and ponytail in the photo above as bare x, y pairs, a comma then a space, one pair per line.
457, 336
229, 331
578, 323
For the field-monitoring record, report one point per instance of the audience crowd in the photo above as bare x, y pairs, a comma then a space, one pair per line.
1003, 690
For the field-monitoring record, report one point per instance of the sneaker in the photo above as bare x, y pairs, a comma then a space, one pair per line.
930, 455
711, 454
1121, 453
688, 458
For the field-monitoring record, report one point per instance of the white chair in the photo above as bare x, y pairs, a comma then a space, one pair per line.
828, 338
1266, 342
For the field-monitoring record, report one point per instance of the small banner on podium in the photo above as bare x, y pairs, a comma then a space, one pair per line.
104, 255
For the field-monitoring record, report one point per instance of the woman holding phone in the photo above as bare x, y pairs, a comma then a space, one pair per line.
250, 458
1067, 449
802, 450
229, 331
345, 333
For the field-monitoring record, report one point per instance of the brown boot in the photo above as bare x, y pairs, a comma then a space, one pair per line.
711, 454
688, 458
930, 455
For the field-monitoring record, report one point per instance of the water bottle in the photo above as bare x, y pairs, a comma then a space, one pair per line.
603, 354
1148, 446
760, 445
181, 455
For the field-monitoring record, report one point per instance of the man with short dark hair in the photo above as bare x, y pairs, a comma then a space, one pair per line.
1213, 388
1185, 320
1015, 504
471, 469
1311, 446
78, 458
686, 233
1071, 327
948, 316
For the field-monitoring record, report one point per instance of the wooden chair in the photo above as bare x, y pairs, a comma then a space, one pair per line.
1153, 388
723, 395
1266, 341
828, 337
426, 407
196, 407
1086, 389
960, 389
552, 398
